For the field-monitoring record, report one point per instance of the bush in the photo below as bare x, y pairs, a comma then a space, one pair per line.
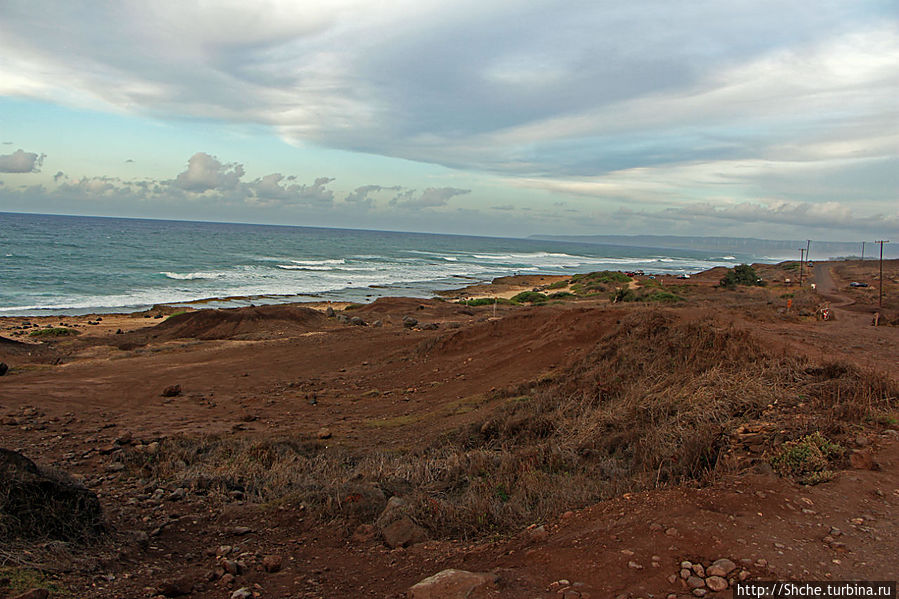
624, 294
557, 285
529, 297
561, 295
742, 274
54, 332
807, 459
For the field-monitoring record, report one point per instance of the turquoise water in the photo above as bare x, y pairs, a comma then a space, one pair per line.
70, 265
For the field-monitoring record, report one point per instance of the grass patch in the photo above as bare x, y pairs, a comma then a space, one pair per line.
486, 301
602, 276
662, 296
395, 422
354, 306
54, 332
561, 295
14, 581
557, 285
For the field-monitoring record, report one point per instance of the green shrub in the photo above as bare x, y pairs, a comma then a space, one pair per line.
530, 297
807, 459
740, 275
557, 285
54, 332
561, 295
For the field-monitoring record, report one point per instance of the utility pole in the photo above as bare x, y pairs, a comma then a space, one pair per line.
863, 251
801, 264
880, 295
808, 247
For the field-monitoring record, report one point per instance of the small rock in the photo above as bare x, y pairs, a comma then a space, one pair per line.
231, 566
377, 324
403, 532
324, 433
700, 592
655, 527
744, 574
4, 368
634, 565
695, 582
243, 593
671, 532
699, 570
228, 579
409, 322
686, 564
329, 312
721, 567
272, 563
172, 391
176, 588
355, 320
452, 584
686, 573
538, 533
241, 530
672, 579
716, 583
124, 439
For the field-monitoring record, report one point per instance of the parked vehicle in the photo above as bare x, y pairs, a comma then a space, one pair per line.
857, 284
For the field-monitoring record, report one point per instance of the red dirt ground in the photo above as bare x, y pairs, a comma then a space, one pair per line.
256, 372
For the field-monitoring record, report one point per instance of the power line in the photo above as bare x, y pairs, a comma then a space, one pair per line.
801, 264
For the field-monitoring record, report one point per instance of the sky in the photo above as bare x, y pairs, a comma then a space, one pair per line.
756, 119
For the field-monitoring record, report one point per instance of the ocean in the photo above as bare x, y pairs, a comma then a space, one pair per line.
77, 265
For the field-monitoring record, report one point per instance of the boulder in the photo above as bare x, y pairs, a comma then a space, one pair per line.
452, 584
3, 368
172, 391
329, 312
409, 322
38, 504
355, 320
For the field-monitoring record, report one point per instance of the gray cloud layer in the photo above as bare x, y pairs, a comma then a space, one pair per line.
737, 103
20, 162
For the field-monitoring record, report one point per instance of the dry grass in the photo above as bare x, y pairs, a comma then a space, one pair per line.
653, 404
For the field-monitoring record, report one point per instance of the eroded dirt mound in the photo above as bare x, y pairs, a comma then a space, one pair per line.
258, 322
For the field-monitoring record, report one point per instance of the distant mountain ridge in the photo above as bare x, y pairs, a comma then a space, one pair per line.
774, 248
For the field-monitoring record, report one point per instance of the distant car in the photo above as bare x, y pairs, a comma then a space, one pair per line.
857, 284
683, 276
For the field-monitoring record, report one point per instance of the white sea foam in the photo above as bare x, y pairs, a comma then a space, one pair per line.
319, 262
191, 276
